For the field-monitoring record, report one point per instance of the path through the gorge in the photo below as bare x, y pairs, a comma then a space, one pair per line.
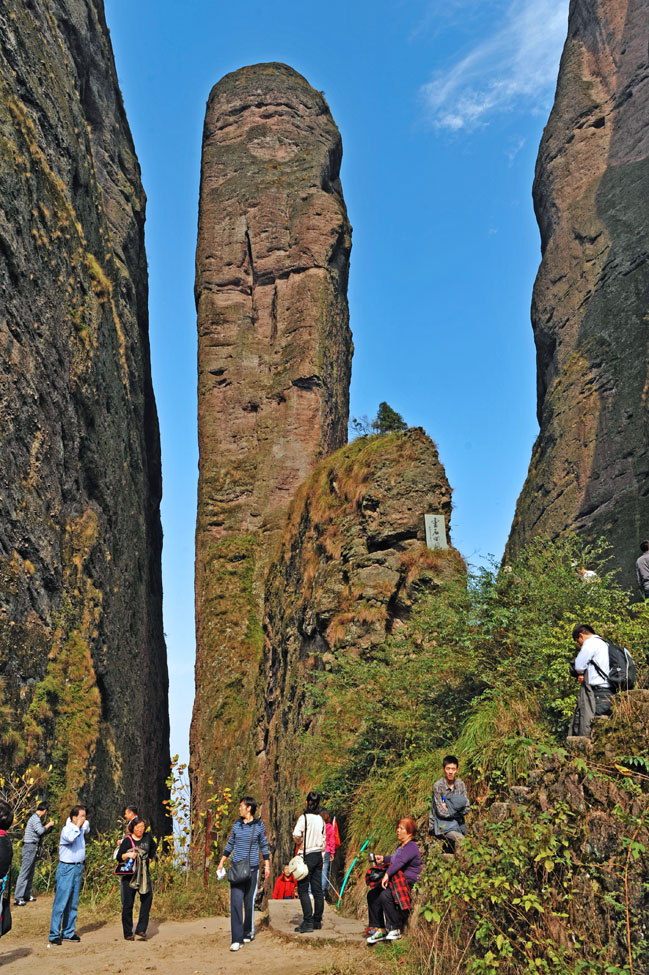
194, 947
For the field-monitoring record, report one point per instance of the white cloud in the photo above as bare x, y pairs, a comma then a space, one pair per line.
514, 150
516, 66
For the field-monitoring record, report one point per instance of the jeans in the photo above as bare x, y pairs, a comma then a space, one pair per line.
66, 900
128, 900
325, 872
314, 878
26, 875
242, 899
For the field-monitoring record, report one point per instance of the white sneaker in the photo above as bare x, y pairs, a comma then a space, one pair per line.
393, 935
248, 939
235, 946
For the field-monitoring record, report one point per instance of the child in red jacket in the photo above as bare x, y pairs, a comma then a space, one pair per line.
285, 886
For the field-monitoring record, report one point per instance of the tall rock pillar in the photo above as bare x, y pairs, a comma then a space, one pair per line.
274, 362
590, 465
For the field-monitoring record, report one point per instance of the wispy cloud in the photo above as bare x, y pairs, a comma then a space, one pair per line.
516, 66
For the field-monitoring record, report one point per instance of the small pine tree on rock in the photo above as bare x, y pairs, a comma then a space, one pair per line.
388, 420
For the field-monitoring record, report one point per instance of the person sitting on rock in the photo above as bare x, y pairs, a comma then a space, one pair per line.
389, 900
449, 805
591, 665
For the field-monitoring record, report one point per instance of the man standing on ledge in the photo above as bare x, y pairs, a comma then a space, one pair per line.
72, 855
592, 661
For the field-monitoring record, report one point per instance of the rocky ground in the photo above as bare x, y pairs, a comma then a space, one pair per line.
199, 946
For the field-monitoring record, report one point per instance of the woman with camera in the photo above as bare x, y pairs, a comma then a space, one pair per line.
138, 848
402, 870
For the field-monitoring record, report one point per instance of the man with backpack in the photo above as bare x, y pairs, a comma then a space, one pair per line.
592, 665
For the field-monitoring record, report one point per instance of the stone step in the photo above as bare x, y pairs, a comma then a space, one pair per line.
284, 916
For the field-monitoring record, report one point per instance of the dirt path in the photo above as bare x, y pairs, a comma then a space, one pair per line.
194, 947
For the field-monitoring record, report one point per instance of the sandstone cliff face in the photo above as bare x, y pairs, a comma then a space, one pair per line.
274, 360
590, 464
353, 559
80, 483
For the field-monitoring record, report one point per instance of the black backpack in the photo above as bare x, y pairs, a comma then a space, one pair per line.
621, 669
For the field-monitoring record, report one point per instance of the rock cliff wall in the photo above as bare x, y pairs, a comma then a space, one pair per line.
352, 561
590, 465
82, 655
274, 361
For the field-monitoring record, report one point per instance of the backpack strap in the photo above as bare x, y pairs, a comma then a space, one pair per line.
601, 672
252, 836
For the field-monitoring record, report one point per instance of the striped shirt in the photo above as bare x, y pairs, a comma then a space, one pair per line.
239, 842
34, 829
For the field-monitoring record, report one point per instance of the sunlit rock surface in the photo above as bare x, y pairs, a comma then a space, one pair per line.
590, 465
274, 361
352, 563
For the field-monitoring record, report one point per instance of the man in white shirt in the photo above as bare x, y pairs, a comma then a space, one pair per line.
592, 661
72, 855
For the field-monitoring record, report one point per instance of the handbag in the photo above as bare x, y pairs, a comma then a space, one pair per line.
374, 876
297, 865
240, 871
126, 868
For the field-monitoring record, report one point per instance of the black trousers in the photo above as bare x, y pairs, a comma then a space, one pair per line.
382, 910
242, 907
128, 900
314, 877
602, 700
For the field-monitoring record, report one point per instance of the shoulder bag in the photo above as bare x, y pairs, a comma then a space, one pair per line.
240, 871
297, 866
126, 868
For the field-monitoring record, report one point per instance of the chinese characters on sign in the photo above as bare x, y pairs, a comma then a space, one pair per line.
435, 531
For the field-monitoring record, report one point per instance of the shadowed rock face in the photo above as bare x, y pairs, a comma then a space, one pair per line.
274, 361
352, 562
80, 538
590, 464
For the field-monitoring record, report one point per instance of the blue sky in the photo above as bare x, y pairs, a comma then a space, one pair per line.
441, 105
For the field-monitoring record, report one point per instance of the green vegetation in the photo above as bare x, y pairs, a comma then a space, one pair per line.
386, 420
482, 670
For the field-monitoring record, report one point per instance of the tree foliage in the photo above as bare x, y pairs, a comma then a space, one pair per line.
386, 420
481, 667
